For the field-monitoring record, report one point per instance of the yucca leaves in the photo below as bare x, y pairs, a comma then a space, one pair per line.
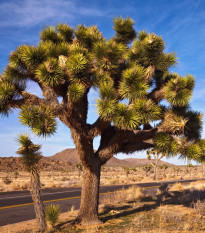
77, 65
50, 73
7, 90
192, 151
132, 85
163, 142
174, 123
65, 33
179, 90
76, 91
125, 118
39, 118
49, 34
124, 29
109, 54
129, 71
165, 61
32, 56
30, 152
147, 110
87, 36
194, 125
106, 108
106, 91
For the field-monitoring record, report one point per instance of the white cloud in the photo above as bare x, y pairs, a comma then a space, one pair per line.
30, 13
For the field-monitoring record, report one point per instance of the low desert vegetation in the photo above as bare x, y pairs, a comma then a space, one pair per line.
136, 210
109, 176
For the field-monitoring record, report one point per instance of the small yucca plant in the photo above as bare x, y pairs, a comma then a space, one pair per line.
52, 213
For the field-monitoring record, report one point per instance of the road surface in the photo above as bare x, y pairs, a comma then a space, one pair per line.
17, 206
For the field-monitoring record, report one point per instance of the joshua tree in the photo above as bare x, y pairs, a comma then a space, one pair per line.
130, 73
127, 171
157, 157
189, 168
80, 168
30, 156
147, 168
164, 167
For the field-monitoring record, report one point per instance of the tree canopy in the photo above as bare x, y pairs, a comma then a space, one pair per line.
141, 104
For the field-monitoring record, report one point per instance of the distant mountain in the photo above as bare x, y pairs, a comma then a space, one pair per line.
65, 160
71, 156
141, 162
10, 164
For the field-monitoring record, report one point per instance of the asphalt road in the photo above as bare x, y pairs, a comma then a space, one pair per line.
17, 206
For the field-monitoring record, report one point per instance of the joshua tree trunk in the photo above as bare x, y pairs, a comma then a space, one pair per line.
36, 196
155, 171
90, 195
203, 165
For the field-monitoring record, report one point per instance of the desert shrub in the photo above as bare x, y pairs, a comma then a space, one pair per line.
16, 175
52, 213
25, 186
7, 180
177, 187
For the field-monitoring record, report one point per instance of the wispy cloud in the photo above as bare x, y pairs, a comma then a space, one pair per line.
30, 13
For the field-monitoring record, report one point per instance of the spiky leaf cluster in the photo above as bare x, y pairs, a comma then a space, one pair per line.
50, 73
124, 29
178, 91
147, 110
130, 72
87, 36
30, 152
39, 118
132, 85
165, 143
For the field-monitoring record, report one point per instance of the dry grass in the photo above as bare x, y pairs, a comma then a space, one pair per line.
130, 211
177, 187
110, 176
132, 193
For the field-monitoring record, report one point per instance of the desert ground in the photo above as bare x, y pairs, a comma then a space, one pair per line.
179, 208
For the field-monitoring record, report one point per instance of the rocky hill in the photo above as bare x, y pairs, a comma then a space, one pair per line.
10, 164
65, 160
71, 156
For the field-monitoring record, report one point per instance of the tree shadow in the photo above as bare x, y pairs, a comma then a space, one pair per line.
186, 198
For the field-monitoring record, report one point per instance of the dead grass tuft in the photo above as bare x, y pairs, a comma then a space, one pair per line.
199, 207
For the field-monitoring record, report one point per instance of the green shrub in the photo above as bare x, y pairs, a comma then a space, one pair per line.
52, 213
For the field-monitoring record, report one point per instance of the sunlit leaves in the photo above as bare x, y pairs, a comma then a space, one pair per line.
106, 108
78, 66
30, 152
179, 90
124, 29
125, 117
132, 85
39, 118
31, 56
49, 34
174, 123
109, 54
76, 91
65, 33
192, 151
147, 110
106, 91
87, 36
50, 73
165, 143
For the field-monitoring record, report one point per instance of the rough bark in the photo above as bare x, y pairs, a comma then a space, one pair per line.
88, 213
38, 204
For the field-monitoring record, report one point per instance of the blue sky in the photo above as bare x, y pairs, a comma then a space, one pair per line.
181, 23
